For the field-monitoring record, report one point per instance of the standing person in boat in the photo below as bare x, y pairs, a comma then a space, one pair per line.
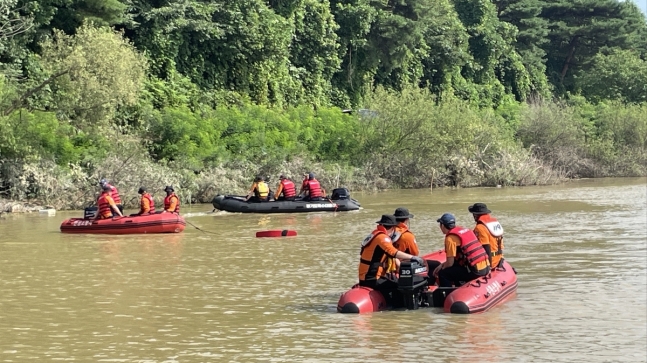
312, 189
106, 204
259, 192
466, 257
285, 187
114, 194
146, 203
375, 250
489, 232
171, 202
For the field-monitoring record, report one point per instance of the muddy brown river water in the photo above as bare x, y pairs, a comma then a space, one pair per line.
580, 250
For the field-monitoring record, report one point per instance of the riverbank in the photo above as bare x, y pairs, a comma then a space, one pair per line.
409, 141
9, 206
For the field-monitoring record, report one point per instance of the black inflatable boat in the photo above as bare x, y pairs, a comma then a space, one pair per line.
340, 201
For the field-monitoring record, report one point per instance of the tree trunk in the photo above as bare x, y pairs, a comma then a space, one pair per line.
21, 101
571, 54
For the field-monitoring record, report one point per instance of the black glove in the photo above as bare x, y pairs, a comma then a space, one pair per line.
418, 259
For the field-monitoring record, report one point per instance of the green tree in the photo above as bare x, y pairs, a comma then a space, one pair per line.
532, 35
497, 67
87, 75
579, 30
314, 51
621, 75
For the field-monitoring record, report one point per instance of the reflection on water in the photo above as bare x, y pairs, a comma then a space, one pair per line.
227, 296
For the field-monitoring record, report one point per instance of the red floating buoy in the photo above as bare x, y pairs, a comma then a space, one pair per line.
277, 233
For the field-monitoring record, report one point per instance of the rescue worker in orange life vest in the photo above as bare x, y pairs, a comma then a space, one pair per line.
466, 258
114, 194
146, 203
374, 253
402, 238
106, 205
171, 202
285, 187
311, 189
259, 192
489, 232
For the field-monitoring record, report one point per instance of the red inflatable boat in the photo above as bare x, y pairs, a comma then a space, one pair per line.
152, 223
474, 297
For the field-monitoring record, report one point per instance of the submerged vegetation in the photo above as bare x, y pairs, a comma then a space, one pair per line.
206, 94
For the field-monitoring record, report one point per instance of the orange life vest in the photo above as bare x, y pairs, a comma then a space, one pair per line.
495, 237
167, 203
115, 194
400, 231
289, 189
372, 262
151, 203
314, 188
105, 210
471, 251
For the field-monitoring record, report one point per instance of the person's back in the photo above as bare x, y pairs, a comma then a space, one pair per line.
313, 188
287, 188
259, 192
375, 252
106, 205
403, 239
466, 258
489, 232
469, 251
114, 193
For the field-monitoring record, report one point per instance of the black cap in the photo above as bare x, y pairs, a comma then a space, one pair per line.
402, 213
448, 220
282, 177
169, 188
311, 175
141, 190
478, 208
258, 178
387, 221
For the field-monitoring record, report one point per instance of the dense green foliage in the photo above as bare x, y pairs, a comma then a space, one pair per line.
206, 94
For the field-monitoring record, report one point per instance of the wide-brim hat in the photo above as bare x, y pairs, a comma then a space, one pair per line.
387, 220
478, 208
402, 213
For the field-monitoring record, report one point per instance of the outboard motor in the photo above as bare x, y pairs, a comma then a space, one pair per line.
412, 282
340, 194
90, 212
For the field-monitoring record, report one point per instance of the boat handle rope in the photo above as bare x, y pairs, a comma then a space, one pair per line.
198, 228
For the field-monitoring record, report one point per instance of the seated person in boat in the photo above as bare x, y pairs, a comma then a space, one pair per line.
311, 189
171, 202
375, 252
114, 194
107, 205
489, 231
146, 203
286, 189
259, 191
403, 239
466, 257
